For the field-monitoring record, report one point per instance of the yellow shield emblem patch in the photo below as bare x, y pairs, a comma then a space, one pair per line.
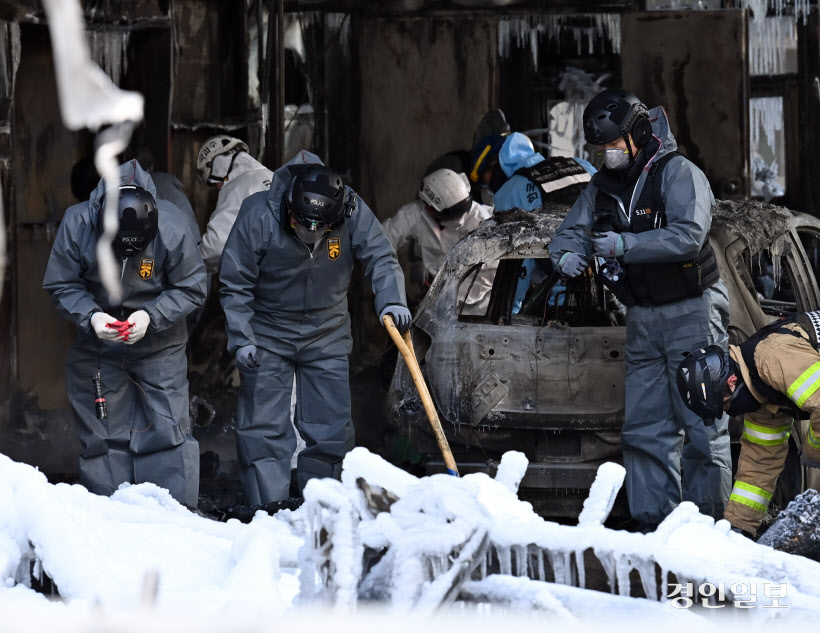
334, 248
146, 268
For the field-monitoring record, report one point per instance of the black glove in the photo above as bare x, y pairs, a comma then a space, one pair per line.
401, 317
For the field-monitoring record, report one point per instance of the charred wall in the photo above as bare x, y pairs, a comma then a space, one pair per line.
708, 118
424, 86
210, 87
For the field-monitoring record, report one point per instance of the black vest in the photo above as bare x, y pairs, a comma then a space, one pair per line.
559, 180
656, 283
747, 351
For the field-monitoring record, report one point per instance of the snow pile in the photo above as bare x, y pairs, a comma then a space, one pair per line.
100, 550
379, 536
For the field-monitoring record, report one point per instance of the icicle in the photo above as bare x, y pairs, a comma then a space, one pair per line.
529, 30
766, 113
646, 570
520, 560
623, 567
569, 570
607, 560
504, 565
14, 30
533, 558
801, 9
768, 36
542, 575
557, 562
579, 565
110, 50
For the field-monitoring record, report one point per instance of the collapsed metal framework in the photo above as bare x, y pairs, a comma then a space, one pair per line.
382, 535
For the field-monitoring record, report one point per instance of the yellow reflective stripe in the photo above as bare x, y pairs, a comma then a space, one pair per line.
765, 495
748, 502
766, 435
767, 429
812, 439
803, 388
751, 496
755, 440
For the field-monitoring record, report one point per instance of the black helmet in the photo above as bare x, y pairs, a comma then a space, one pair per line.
612, 114
139, 219
316, 197
494, 123
702, 376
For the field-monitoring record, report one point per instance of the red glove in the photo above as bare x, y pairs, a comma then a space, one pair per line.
123, 329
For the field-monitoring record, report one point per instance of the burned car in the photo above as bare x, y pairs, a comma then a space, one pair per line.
549, 380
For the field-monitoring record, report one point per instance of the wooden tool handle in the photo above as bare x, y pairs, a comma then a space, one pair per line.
405, 346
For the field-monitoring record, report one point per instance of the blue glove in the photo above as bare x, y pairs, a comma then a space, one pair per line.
246, 357
401, 317
573, 264
608, 244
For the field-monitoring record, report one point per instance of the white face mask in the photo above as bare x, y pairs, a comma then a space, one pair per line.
221, 167
616, 159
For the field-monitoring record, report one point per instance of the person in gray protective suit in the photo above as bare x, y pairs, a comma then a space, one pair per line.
137, 348
284, 277
648, 212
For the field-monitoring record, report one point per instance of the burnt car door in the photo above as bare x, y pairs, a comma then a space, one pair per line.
554, 362
579, 345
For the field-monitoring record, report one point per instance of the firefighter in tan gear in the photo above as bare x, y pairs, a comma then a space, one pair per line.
771, 380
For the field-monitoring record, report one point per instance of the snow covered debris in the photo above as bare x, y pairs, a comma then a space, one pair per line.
598, 504
99, 549
797, 529
512, 469
380, 536
427, 542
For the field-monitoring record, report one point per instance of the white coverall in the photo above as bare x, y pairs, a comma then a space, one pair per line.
247, 176
435, 241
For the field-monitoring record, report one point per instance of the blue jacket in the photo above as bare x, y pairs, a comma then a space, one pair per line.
519, 192
273, 288
167, 279
687, 197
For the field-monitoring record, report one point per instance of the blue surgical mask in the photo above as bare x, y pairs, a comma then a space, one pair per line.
616, 159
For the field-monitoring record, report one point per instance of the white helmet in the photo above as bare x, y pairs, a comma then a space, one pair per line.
447, 192
213, 147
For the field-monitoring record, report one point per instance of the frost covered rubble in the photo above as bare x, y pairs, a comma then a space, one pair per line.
380, 536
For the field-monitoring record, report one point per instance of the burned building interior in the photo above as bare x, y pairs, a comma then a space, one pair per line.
377, 89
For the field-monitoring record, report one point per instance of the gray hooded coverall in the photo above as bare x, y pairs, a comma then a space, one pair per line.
291, 303
146, 436
656, 419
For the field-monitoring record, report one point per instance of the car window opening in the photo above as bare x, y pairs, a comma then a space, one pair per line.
531, 292
771, 281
